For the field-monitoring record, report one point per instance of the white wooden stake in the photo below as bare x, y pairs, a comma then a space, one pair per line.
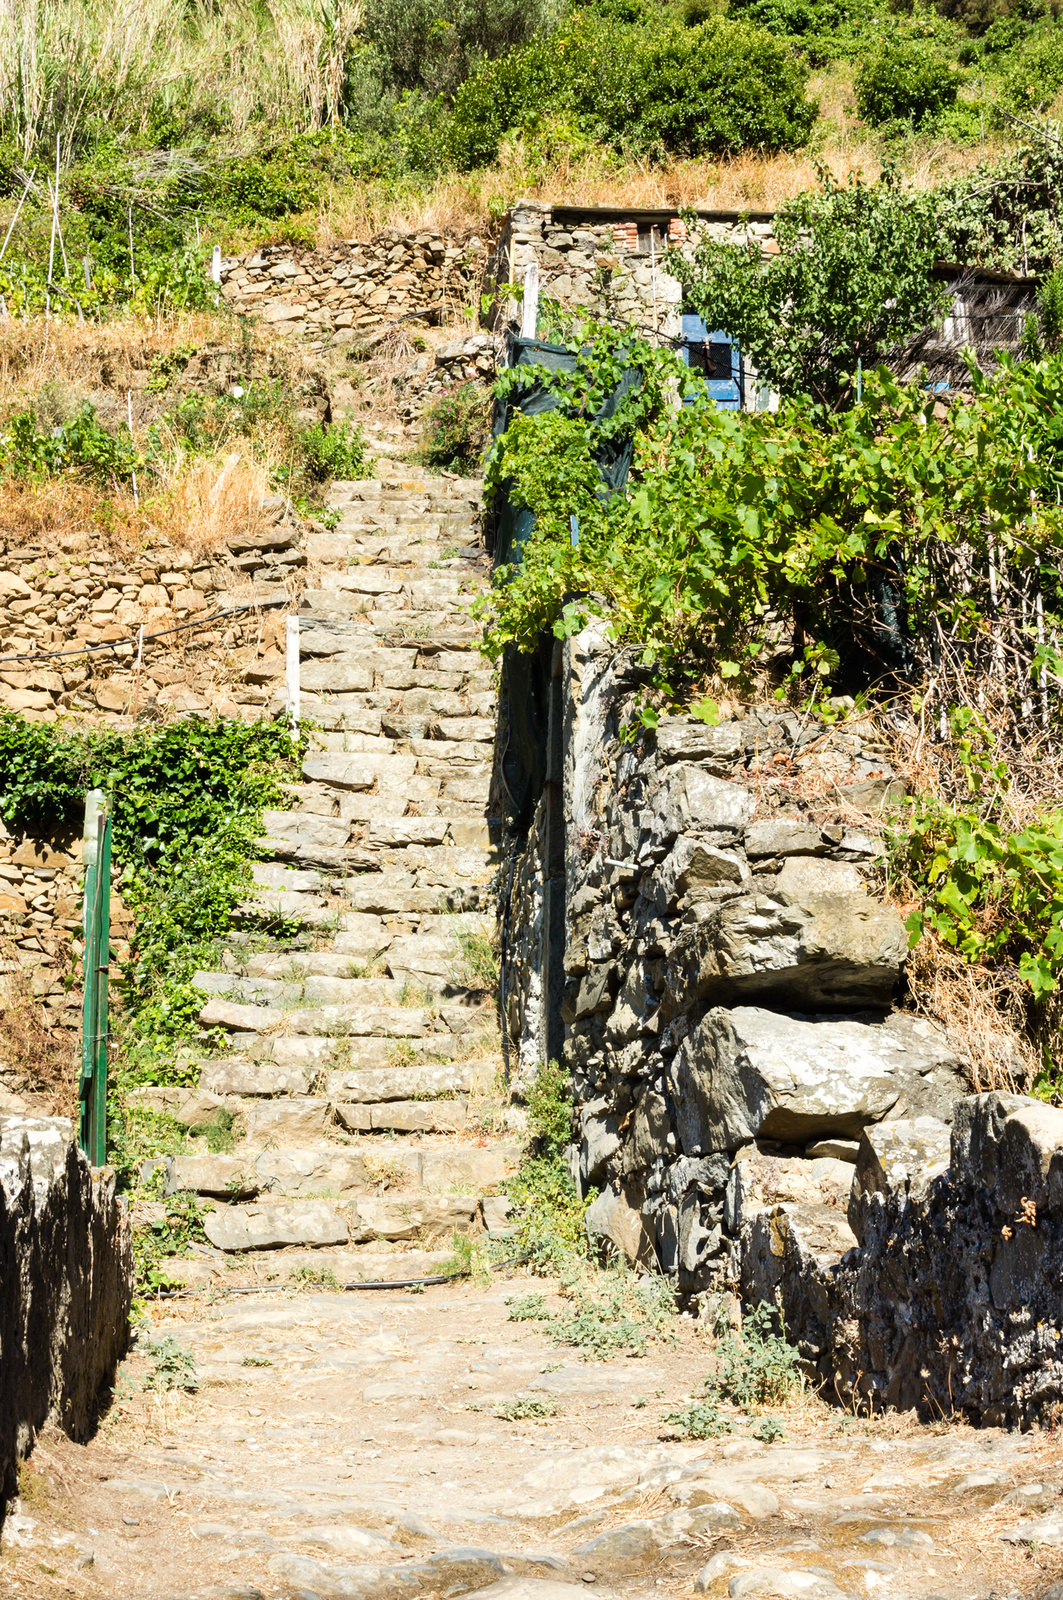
18, 208
291, 671
215, 265
530, 313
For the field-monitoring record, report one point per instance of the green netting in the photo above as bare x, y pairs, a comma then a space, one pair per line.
526, 677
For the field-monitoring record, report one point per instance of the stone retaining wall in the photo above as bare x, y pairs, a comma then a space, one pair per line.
52, 602
66, 1275
336, 296
758, 1117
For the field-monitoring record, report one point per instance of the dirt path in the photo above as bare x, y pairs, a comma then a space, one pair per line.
358, 1445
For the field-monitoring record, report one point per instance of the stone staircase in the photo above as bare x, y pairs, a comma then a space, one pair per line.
359, 1071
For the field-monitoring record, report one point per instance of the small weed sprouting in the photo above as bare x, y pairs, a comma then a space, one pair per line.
220, 1132
756, 1367
173, 1234
256, 1361
768, 1430
314, 1278
699, 1419
527, 1408
613, 1311
528, 1308
479, 960
550, 1212
172, 1367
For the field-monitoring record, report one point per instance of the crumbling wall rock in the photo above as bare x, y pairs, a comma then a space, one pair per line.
65, 1285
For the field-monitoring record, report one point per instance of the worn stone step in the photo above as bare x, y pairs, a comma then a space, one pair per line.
332, 1170
236, 1079
344, 769
332, 1021
406, 1116
362, 1050
276, 1223
369, 1086
302, 992
273, 905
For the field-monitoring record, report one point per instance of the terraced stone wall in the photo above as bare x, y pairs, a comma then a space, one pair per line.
758, 1116
335, 296
65, 1286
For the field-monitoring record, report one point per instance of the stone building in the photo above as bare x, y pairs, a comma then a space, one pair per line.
610, 260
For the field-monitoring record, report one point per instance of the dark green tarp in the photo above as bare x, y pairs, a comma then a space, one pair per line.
526, 677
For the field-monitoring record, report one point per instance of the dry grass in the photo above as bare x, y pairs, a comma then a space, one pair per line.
36, 1060
193, 501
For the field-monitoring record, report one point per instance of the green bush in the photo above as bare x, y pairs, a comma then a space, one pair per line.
454, 429
334, 452
81, 446
712, 89
907, 83
1033, 75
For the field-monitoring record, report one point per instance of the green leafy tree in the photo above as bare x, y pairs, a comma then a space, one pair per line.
907, 83
852, 279
712, 89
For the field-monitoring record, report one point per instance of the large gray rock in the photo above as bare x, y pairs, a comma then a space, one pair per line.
805, 946
897, 1158
688, 739
748, 1073
689, 800
269, 1227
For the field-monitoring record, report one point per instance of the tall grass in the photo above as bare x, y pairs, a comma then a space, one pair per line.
73, 69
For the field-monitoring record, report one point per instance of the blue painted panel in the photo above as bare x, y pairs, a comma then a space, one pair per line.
703, 347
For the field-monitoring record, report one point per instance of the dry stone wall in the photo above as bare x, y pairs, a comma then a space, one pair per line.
65, 1286
57, 609
759, 1118
337, 296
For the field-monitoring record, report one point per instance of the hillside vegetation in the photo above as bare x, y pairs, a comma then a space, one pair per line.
172, 128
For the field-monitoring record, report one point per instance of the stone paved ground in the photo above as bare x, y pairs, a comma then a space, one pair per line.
350, 1445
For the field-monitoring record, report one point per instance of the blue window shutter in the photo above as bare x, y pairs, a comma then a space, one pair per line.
703, 348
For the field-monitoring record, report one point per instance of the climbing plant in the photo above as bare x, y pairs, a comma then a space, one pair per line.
186, 800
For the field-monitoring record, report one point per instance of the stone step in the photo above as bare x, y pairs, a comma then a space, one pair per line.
235, 1079
271, 1224
326, 1021
275, 905
379, 1050
302, 991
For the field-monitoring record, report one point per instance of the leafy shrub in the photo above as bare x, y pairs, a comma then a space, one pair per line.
699, 1419
527, 1408
1033, 75
612, 1312
454, 429
756, 1366
853, 277
81, 446
171, 1367
715, 88
905, 82
433, 45
186, 799
528, 1308
334, 452
549, 1210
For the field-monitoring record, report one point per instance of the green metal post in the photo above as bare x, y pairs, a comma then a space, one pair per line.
95, 968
